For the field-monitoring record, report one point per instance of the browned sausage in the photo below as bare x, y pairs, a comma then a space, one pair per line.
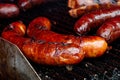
95, 19
80, 7
53, 53
97, 3
48, 53
8, 10
37, 30
110, 30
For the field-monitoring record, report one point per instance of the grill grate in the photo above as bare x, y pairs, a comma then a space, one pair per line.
106, 67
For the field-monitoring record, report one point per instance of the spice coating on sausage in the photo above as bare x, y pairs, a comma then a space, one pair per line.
8, 10
110, 30
94, 20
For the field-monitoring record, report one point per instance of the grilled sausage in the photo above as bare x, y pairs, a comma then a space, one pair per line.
14, 33
8, 10
48, 53
93, 46
94, 20
88, 44
110, 30
79, 7
53, 53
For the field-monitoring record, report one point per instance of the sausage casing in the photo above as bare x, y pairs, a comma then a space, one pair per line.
110, 30
8, 10
95, 19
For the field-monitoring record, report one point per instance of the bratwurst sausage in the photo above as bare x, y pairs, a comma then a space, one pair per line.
94, 20
8, 10
38, 30
110, 30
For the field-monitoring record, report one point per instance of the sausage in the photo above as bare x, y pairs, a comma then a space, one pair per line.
8, 10
57, 54
95, 19
110, 30
93, 46
48, 53
53, 53
41, 23
27, 4
36, 31
80, 7
14, 33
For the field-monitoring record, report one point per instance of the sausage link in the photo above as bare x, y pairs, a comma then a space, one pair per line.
79, 7
8, 10
42, 26
50, 36
54, 53
110, 30
95, 19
